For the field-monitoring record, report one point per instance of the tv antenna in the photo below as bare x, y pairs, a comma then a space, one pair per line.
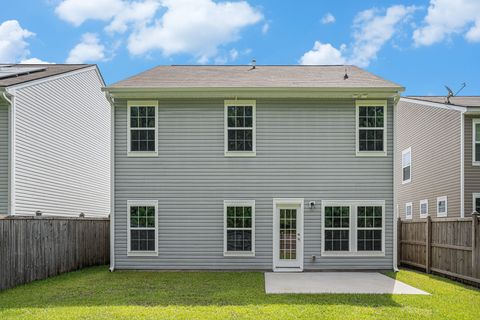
451, 94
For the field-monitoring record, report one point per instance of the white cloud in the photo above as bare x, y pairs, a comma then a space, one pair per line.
138, 13
233, 54
78, 11
445, 18
265, 27
88, 50
372, 30
328, 18
34, 61
196, 27
13, 44
323, 53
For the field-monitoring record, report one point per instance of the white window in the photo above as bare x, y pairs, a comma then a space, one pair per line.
239, 228
424, 208
407, 165
408, 210
353, 228
442, 206
142, 128
240, 132
371, 128
142, 222
476, 202
476, 142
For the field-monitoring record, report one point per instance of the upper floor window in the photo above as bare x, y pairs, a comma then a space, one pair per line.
476, 142
240, 133
142, 227
371, 128
407, 165
142, 128
239, 227
442, 206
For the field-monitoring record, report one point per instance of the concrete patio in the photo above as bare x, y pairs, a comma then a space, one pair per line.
336, 282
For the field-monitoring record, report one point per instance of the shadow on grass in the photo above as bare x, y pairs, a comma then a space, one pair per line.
98, 287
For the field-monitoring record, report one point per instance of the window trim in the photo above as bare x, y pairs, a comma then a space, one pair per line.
141, 103
150, 203
474, 197
474, 142
353, 204
244, 203
371, 103
408, 150
442, 214
409, 204
424, 201
241, 103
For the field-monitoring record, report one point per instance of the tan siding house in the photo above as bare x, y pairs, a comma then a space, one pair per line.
434, 170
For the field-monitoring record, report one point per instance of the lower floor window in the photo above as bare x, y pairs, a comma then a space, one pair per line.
476, 202
239, 224
353, 226
142, 226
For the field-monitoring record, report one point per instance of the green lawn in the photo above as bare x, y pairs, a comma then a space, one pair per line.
95, 293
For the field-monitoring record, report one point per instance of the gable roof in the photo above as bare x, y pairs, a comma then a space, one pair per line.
463, 101
48, 70
187, 76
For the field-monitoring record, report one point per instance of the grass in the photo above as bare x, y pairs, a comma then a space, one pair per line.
95, 293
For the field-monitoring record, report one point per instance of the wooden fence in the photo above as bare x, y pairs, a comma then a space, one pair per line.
448, 246
38, 248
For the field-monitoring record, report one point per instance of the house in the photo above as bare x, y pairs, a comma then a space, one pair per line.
438, 157
253, 167
54, 141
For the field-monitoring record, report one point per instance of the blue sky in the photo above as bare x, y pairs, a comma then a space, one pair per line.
422, 45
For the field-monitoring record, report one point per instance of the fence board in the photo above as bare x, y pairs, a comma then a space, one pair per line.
447, 246
39, 247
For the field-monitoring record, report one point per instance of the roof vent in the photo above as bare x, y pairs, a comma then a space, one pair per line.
254, 64
345, 76
7, 71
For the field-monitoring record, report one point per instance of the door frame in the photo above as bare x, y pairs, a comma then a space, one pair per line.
299, 202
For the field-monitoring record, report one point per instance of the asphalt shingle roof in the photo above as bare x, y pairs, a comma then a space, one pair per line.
463, 101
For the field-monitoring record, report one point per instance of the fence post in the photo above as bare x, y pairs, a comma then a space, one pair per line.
428, 247
475, 247
399, 242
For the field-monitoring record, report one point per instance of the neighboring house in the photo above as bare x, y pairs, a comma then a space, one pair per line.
438, 157
240, 167
54, 141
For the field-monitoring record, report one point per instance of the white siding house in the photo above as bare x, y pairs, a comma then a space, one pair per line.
55, 152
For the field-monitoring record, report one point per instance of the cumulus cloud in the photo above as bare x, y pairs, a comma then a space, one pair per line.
328, 18
373, 28
323, 53
446, 18
78, 11
34, 61
88, 50
13, 41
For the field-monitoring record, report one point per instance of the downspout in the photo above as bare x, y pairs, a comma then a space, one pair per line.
462, 164
395, 235
112, 180
9, 97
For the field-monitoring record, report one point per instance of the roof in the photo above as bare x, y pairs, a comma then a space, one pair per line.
42, 71
187, 76
463, 101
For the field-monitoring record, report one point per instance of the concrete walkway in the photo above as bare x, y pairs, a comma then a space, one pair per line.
336, 282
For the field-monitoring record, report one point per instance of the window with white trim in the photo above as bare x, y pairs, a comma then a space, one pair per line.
371, 128
476, 142
442, 206
423, 208
142, 225
142, 128
407, 165
240, 133
476, 202
408, 210
353, 227
239, 227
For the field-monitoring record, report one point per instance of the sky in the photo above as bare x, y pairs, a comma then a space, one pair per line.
420, 44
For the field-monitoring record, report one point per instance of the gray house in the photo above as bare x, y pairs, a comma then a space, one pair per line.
438, 157
287, 168
54, 141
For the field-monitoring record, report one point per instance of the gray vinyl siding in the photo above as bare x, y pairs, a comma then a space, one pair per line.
4, 149
434, 134
305, 149
472, 173
62, 147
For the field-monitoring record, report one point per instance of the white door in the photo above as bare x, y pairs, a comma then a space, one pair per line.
288, 234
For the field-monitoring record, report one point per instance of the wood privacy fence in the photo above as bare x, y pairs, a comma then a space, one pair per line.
37, 248
449, 246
